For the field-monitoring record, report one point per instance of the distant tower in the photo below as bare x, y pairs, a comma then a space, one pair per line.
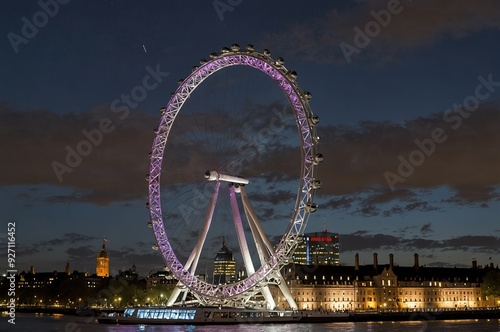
68, 271
102, 263
224, 266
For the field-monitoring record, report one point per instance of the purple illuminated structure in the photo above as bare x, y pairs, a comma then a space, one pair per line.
273, 258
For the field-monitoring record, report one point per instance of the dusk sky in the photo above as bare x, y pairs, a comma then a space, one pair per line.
408, 94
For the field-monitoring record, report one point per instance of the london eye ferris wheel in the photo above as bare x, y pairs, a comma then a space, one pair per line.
216, 150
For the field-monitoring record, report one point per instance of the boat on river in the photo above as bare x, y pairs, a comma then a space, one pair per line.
199, 315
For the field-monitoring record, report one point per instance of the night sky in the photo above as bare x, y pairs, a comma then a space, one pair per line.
408, 94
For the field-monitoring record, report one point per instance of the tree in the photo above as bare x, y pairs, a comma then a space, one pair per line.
491, 284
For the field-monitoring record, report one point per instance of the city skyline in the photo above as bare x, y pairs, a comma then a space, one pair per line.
408, 112
359, 258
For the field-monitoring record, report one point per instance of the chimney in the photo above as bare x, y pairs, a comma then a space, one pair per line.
32, 269
391, 261
375, 260
356, 262
415, 261
474, 264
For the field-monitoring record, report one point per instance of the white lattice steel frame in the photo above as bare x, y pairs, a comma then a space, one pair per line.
240, 291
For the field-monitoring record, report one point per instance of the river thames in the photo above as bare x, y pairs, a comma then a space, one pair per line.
65, 323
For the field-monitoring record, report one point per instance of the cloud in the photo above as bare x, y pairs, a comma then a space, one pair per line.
275, 197
81, 253
446, 264
56, 243
362, 241
113, 171
342, 202
358, 157
427, 228
414, 206
420, 23
478, 243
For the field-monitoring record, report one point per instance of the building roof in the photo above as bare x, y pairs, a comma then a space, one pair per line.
224, 253
103, 253
405, 273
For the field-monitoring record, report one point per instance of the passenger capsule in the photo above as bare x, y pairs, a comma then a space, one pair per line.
266, 53
225, 50
155, 247
280, 61
203, 61
163, 110
150, 224
194, 69
311, 207
318, 158
235, 47
314, 120
213, 55
250, 48
307, 95
292, 75
316, 184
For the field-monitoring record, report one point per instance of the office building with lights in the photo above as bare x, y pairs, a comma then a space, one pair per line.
319, 248
224, 266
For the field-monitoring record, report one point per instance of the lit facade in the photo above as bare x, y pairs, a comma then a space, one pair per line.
384, 287
102, 263
319, 248
160, 279
224, 266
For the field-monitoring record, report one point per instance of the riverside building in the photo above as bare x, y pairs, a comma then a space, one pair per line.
384, 287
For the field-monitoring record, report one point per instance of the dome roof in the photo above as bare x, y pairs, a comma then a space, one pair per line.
224, 253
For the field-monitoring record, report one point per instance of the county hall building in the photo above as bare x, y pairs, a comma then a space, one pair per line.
384, 287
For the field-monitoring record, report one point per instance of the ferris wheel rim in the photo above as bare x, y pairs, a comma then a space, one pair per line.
304, 205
